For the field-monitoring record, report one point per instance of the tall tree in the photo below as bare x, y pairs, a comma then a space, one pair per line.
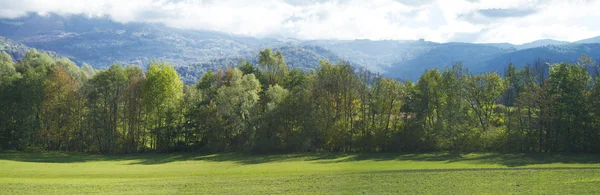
162, 91
483, 92
60, 111
236, 103
273, 66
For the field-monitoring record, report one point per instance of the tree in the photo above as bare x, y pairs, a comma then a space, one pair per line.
483, 92
236, 104
568, 83
428, 103
133, 111
455, 122
161, 93
273, 66
8, 98
34, 68
60, 111
271, 133
385, 104
336, 97
105, 102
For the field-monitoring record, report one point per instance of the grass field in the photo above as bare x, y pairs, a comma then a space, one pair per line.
440, 173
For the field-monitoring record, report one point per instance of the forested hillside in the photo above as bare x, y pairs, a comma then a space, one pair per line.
304, 58
101, 42
50, 103
18, 50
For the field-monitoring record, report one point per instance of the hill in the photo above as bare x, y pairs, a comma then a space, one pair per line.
17, 50
100, 42
540, 43
590, 40
552, 54
305, 58
473, 56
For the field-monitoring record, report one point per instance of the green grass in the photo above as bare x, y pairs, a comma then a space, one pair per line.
439, 173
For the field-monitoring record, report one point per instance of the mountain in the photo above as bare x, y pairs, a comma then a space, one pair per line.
590, 40
472, 56
537, 43
376, 55
18, 50
551, 53
100, 42
501, 45
540, 43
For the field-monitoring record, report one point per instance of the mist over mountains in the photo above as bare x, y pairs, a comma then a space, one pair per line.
100, 42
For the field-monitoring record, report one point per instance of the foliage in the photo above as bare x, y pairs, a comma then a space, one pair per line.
50, 103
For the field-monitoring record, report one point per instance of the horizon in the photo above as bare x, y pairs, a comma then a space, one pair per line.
468, 21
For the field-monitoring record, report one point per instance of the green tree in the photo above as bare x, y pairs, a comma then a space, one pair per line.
568, 83
273, 66
162, 91
8, 99
428, 103
236, 104
34, 68
105, 103
60, 111
133, 112
483, 91
273, 130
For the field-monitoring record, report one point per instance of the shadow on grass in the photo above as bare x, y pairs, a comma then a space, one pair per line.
506, 159
509, 160
146, 158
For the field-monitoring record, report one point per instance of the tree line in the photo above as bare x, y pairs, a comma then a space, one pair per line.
51, 104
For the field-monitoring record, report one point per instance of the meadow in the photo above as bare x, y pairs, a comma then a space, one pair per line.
304, 173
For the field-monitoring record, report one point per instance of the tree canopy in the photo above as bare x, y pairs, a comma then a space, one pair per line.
50, 103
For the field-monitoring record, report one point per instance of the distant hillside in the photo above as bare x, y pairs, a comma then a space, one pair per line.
18, 50
537, 43
540, 43
473, 56
100, 42
552, 54
376, 56
305, 58
590, 40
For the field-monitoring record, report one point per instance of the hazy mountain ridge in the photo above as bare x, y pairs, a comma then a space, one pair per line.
100, 42
590, 40
550, 53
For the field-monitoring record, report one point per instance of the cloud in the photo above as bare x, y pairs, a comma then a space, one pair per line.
515, 21
487, 16
506, 13
415, 2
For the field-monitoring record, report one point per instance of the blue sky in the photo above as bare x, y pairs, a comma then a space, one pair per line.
481, 21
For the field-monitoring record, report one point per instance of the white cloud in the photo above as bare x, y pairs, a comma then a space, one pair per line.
514, 21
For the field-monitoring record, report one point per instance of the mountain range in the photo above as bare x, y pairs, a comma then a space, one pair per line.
100, 42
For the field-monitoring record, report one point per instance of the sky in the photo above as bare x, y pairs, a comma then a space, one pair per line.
478, 21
